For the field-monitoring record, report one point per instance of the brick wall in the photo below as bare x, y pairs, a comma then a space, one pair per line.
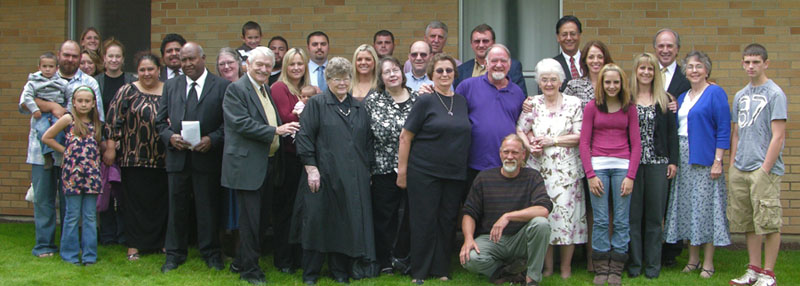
720, 28
24, 35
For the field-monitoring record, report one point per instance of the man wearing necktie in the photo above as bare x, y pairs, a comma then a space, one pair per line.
568, 35
171, 53
252, 130
193, 171
318, 53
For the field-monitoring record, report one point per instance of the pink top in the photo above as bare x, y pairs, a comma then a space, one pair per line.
610, 135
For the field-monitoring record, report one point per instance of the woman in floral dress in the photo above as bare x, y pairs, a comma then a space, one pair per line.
551, 131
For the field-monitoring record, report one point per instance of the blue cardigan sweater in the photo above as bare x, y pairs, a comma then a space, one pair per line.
709, 125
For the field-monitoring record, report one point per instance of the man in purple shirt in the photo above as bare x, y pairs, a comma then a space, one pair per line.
494, 103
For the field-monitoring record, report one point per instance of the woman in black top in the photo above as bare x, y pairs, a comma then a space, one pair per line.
432, 162
659, 132
333, 209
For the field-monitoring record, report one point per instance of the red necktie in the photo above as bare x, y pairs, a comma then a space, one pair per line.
573, 70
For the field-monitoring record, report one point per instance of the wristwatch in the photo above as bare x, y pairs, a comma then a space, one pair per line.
555, 141
718, 159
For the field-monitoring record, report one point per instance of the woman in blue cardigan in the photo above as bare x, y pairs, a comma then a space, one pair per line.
696, 210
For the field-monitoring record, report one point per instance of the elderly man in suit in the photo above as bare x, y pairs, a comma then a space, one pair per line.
252, 130
482, 38
667, 44
193, 170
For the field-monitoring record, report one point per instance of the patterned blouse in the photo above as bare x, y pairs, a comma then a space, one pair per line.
647, 115
80, 171
386, 121
581, 88
131, 122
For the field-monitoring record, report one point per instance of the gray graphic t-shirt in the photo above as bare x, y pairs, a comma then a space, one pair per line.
754, 109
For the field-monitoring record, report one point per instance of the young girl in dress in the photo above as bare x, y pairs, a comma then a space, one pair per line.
80, 175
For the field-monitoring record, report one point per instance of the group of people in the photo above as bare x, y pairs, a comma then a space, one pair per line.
372, 162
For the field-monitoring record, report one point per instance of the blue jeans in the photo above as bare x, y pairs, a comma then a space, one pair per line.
45, 184
80, 207
612, 182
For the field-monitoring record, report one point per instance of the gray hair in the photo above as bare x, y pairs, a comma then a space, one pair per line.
436, 25
231, 52
677, 38
501, 46
701, 57
261, 51
549, 66
338, 67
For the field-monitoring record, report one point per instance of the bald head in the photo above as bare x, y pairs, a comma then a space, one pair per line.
69, 56
419, 55
193, 60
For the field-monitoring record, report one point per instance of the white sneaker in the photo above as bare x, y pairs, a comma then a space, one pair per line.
766, 280
749, 277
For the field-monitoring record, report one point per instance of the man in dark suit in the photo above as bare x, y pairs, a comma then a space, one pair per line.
252, 130
568, 35
667, 44
482, 38
171, 54
193, 170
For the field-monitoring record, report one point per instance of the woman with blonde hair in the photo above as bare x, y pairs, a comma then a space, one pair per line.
659, 134
364, 77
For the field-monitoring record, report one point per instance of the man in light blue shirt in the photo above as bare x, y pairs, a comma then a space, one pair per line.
419, 55
318, 58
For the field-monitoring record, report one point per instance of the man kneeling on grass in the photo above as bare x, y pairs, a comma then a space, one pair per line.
509, 205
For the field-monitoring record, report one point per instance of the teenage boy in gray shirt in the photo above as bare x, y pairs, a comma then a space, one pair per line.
754, 205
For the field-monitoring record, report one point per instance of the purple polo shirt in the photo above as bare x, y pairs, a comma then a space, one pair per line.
493, 114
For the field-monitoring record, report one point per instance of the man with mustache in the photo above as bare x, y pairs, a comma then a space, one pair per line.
507, 209
279, 46
318, 59
252, 132
419, 55
171, 53
568, 35
193, 170
436, 37
482, 38
495, 103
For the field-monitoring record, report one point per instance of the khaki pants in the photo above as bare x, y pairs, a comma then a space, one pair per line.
529, 243
754, 203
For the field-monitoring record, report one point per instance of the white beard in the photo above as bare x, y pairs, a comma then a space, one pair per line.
498, 75
510, 166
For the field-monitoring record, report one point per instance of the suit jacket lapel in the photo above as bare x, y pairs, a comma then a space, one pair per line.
207, 86
252, 95
180, 95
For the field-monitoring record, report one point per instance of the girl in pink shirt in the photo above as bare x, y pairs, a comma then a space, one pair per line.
610, 148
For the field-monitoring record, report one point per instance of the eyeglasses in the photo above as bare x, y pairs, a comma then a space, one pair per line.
481, 41
441, 70
695, 67
421, 55
340, 80
230, 63
549, 80
392, 71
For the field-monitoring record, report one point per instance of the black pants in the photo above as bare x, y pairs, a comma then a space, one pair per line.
286, 254
648, 204
111, 223
254, 210
471, 174
338, 263
205, 188
433, 206
146, 200
387, 199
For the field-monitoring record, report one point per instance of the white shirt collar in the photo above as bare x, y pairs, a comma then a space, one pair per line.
201, 81
312, 66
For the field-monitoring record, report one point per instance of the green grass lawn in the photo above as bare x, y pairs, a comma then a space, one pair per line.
19, 267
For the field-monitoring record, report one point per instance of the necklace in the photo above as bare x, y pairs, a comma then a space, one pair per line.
342, 111
449, 110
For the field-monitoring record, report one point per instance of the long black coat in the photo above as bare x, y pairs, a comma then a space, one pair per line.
338, 218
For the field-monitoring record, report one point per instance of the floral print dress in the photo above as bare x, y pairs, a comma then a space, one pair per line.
80, 172
560, 166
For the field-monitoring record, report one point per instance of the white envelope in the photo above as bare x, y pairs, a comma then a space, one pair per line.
191, 132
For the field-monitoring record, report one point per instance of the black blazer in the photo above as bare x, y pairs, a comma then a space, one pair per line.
679, 83
665, 135
171, 107
567, 73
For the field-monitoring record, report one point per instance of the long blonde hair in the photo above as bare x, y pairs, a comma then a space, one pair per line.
354, 73
656, 87
284, 77
80, 128
600, 95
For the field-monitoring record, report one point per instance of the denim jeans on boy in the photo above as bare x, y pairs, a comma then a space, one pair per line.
46, 185
612, 181
41, 125
80, 207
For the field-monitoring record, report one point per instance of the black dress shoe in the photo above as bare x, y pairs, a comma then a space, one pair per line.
287, 270
234, 268
255, 280
169, 266
310, 282
215, 262
342, 280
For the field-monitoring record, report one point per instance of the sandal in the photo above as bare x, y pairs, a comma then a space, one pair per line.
45, 255
133, 257
691, 267
706, 273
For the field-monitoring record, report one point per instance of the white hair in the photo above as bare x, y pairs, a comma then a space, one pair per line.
549, 66
261, 51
